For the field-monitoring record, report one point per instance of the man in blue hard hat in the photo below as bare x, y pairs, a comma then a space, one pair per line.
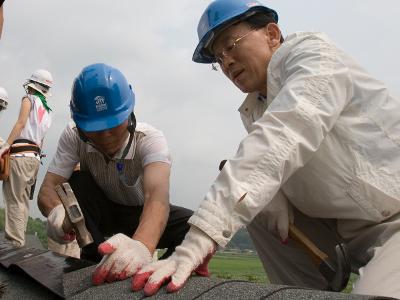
322, 151
123, 183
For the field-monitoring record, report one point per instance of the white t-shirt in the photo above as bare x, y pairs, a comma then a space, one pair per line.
149, 145
38, 122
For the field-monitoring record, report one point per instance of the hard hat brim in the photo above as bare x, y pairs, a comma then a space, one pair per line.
200, 57
33, 86
100, 124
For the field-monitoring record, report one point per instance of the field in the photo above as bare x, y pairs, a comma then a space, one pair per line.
238, 266
245, 266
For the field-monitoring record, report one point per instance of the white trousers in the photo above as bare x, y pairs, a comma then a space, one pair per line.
374, 251
16, 191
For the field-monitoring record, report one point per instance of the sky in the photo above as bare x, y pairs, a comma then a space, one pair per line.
152, 43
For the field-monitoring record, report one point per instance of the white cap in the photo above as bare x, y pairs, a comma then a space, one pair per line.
3, 98
41, 81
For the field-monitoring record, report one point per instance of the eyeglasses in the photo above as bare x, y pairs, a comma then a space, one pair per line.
228, 49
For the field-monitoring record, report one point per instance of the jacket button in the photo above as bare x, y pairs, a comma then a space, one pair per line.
385, 213
226, 234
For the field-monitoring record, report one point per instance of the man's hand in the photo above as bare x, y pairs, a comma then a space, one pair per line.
56, 226
278, 214
4, 148
193, 255
123, 257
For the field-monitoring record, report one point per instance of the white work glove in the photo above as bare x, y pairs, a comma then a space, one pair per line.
4, 148
55, 221
193, 254
123, 257
278, 214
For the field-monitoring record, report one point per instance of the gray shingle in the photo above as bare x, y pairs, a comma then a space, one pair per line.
77, 286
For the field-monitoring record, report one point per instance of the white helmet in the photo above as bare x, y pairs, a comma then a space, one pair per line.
3, 98
41, 81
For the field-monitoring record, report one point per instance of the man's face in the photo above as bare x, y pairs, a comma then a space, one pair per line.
109, 141
246, 63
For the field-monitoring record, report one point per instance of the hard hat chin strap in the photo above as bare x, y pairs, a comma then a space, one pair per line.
132, 123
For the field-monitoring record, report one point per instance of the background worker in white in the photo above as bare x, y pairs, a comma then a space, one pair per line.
322, 133
3, 105
26, 140
123, 183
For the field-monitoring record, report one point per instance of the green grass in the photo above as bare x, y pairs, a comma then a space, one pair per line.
238, 266
246, 266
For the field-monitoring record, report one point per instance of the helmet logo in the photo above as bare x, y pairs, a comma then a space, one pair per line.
100, 103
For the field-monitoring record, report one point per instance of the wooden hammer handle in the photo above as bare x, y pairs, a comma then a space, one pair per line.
315, 253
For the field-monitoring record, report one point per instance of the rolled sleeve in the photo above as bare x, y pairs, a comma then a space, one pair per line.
316, 86
66, 157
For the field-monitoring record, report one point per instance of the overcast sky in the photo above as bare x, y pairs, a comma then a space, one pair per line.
152, 43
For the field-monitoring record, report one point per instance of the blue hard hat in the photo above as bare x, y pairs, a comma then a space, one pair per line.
101, 98
220, 14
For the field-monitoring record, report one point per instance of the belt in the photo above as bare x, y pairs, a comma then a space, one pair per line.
27, 148
31, 147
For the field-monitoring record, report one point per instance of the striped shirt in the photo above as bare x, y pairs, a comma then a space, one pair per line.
149, 145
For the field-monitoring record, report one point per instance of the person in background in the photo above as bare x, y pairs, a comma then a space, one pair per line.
25, 143
3, 105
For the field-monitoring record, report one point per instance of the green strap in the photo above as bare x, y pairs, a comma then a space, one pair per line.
44, 102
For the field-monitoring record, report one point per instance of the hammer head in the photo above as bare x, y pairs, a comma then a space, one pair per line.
337, 274
74, 214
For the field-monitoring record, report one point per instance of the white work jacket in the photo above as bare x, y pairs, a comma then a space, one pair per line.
327, 135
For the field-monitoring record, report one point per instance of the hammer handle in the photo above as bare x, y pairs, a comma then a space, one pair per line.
315, 253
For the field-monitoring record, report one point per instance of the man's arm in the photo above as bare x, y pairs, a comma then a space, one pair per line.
156, 205
124, 256
60, 169
48, 198
18, 126
21, 122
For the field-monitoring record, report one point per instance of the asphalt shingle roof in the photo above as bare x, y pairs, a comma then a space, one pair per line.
77, 286
22, 268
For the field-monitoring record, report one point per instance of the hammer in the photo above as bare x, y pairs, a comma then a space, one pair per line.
337, 275
74, 214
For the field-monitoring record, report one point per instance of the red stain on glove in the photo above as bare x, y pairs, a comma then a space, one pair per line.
105, 248
139, 281
172, 288
202, 269
69, 236
99, 276
122, 276
151, 288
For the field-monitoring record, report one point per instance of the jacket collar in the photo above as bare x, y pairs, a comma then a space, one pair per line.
250, 103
